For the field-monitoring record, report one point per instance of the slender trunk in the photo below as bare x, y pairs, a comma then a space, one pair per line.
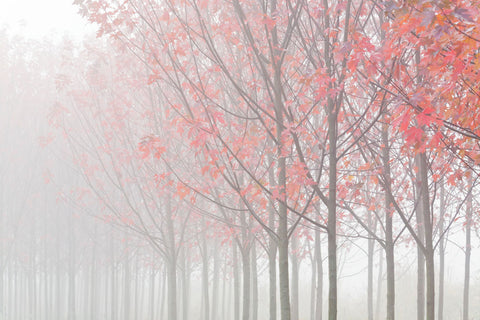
186, 283
313, 281
441, 252
294, 278
216, 266
272, 255
254, 283
246, 282
127, 280
71, 272
172, 290
236, 283
152, 294
205, 277
468, 249
163, 286
172, 265
420, 254
428, 227
224, 291
319, 262
113, 287
332, 213
138, 291
93, 278
389, 245
371, 247
282, 180
379, 286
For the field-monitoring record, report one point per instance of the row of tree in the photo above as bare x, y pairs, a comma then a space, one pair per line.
258, 129
349, 117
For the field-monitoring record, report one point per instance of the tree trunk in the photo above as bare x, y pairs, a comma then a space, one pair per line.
186, 283
152, 294
113, 284
71, 271
468, 249
127, 280
428, 227
246, 282
389, 249
332, 213
319, 262
371, 247
282, 181
272, 253
254, 283
294, 278
171, 265
420, 254
236, 283
216, 266
441, 252
379, 286
93, 278
313, 280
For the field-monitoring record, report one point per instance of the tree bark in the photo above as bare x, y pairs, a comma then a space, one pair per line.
171, 265
428, 227
468, 249
389, 245
441, 252
246, 282
294, 278
313, 280
254, 283
420, 254
370, 252
319, 262
236, 283
127, 280
216, 265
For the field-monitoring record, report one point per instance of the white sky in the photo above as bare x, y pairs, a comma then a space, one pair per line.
40, 18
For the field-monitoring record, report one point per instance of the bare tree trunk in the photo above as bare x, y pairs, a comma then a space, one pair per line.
113, 287
371, 247
294, 278
441, 252
171, 265
236, 283
246, 282
332, 213
319, 262
272, 255
420, 253
468, 249
216, 266
186, 283
282, 231
93, 278
313, 281
379, 286
71, 271
254, 283
389, 245
152, 294
127, 280
428, 227
163, 286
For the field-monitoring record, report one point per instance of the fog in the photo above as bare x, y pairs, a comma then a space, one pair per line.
159, 162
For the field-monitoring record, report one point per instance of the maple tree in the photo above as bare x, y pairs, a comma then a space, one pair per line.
276, 111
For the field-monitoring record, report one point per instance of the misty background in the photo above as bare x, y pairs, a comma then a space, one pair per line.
63, 255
